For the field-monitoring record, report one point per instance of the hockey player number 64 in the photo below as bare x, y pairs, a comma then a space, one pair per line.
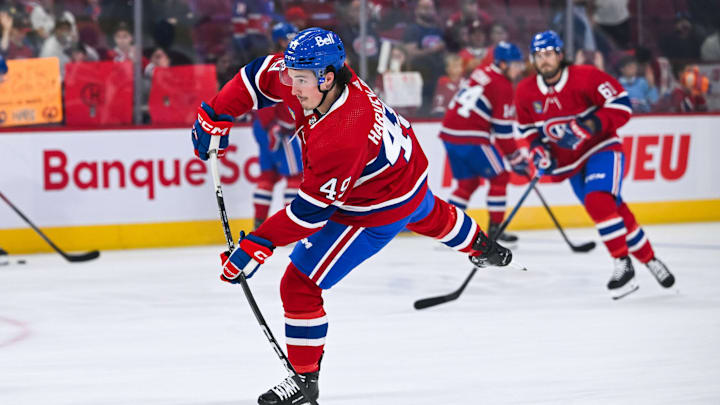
467, 98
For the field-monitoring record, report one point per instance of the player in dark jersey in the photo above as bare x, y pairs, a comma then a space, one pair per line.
570, 115
364, 181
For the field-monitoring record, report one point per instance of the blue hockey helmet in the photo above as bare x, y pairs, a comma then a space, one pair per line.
315, 49
546, 40
507, 52
283, 30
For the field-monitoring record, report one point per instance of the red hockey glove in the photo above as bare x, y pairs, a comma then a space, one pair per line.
542, 158
251, 252
207, 125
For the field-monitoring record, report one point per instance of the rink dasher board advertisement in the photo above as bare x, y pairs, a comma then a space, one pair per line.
144, 187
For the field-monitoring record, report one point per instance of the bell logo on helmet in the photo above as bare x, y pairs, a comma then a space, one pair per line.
327, 40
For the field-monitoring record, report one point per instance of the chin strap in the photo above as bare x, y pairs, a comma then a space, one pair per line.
322, 100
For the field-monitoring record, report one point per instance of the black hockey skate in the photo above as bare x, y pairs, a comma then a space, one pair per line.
491, 253
503, 237
3, 257
288, 393
622, 282
661, 272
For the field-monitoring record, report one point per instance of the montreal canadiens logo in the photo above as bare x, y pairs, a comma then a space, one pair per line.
554, 128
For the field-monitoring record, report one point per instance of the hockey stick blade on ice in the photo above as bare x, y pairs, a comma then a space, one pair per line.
73, 258
585, 247
215, 140
441, 299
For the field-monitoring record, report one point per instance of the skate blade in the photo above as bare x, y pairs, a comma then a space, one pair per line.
624, 291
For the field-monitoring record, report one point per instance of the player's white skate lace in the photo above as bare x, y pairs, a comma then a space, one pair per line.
620, 268
286, 388
622, 282
661, 273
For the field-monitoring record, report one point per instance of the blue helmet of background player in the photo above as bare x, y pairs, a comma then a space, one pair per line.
315, 49
506, 52
546, 40
283, 30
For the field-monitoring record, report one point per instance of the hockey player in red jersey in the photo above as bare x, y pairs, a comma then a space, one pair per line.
279, 151
570, 115
477, 132
364, 181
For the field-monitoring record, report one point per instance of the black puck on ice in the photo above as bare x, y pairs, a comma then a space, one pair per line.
21, 261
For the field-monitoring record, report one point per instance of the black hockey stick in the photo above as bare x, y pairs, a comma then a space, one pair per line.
80, 257
243, 282
585, 247
440, 299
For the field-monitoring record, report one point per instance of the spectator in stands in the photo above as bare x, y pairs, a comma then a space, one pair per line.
710, 48
78, 53
177, 15
586, 40
447, 85
14, 43
498, 33
478, 51
124, 49
164, 36
224, 69
158, 58
426, 48
641, 90
613, 18
349, 32
297, 17
683, 43
251, 28
459, 24
57, 44
689, 95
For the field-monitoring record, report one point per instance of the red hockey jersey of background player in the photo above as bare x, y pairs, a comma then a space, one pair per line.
544, 111
362, 162
481, 111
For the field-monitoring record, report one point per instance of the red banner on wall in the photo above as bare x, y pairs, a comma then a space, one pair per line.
176, 92
98, 93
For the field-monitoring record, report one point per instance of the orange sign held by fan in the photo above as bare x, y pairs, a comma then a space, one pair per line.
30, 93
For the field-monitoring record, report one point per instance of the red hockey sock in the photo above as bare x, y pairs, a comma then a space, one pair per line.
604, 211
305, 320
461, 195
496, 199
262, 196
450, 225
637, 243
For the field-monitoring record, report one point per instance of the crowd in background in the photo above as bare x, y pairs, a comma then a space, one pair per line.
656, 54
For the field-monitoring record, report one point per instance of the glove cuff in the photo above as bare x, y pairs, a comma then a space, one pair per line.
212, 124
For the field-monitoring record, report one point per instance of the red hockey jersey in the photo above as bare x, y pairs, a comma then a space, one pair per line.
482, 112
543, 112
278, 114
362, 162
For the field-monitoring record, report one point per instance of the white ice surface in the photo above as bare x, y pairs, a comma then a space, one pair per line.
156, 327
